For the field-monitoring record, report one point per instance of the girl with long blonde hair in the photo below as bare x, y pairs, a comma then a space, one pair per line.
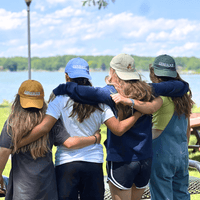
32, 173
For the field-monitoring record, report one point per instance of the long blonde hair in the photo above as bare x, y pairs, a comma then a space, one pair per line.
183, 105
20, 122
134, 89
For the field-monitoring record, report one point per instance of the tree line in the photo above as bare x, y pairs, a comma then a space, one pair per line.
95, 63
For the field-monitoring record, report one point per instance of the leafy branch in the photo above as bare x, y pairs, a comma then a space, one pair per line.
99, 3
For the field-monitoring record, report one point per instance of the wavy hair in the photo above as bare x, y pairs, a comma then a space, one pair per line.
134, 89
82, 111
20, 123
183, 105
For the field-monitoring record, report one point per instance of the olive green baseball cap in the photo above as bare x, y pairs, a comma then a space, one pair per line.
164, 65
124, 66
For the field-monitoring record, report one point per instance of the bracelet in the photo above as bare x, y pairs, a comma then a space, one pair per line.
95, 138
132, 105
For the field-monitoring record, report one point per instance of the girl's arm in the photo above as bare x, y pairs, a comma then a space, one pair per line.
172, 88
72, 142
86, 94
40, 130
143, 107
120, 127
4, 155
80, 142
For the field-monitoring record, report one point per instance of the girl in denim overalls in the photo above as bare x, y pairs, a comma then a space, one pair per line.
169, 175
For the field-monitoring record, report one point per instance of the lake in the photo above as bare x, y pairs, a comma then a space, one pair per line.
11, 81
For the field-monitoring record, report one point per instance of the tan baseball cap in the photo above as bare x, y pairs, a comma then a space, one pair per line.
31, 94
124, 66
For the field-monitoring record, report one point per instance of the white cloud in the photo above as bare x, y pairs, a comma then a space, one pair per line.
11, 20
71, 29
187, 49
55, 1
64, 2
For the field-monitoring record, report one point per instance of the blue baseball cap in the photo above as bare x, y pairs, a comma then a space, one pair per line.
78, 68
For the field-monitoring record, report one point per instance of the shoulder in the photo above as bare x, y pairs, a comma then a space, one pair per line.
5, 137
59, 100
110, 88
166, 99
104, 107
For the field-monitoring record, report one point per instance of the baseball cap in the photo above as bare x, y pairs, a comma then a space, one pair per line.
78, 68
124, 66
164, 65
31, 94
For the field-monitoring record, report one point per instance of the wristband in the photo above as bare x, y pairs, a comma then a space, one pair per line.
95, 138
132, 105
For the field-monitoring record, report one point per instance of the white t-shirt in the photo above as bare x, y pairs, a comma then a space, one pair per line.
93, 153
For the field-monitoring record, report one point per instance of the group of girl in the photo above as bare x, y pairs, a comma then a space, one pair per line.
72, 121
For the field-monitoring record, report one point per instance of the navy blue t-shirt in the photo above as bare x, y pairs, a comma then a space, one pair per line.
33, 179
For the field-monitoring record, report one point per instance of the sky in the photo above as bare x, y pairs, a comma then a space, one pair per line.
136, 27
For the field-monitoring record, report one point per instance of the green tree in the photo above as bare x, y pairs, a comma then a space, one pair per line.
10, 65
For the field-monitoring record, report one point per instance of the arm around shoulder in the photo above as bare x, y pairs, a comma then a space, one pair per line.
77, 142
120, 127
40, 130
148, 107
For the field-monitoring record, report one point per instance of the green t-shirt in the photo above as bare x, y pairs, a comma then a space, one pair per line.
162, 116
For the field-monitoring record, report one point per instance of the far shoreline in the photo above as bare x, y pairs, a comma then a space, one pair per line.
62, 70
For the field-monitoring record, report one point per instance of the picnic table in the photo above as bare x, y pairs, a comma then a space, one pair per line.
195, 127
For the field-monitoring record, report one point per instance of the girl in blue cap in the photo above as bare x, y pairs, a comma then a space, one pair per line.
79, 172
171, 130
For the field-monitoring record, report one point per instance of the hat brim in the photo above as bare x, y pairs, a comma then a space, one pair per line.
79, 75
164, 72
128, 75
31, 103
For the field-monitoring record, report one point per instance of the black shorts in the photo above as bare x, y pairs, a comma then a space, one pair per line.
80, 178
124, 174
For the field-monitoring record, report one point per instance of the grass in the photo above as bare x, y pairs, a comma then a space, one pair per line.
4, 112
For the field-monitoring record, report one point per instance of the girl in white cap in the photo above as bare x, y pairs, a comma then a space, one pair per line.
32, 173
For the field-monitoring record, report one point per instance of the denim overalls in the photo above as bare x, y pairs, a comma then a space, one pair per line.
169, 176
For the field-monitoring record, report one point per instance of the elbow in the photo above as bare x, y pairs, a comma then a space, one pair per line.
42, 130
118, 132
70, 144
149, 111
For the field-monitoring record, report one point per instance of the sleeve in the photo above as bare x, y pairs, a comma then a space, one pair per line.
173, 88
85, 94
107, 113
54, 109
60, 133
5, 138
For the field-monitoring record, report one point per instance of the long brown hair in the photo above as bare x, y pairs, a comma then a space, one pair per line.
134, 89
20, 122
82, 111
183, 105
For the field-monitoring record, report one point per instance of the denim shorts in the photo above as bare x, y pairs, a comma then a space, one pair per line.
124, 174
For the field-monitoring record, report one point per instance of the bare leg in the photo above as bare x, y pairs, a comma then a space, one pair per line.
118, 194
136, 193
